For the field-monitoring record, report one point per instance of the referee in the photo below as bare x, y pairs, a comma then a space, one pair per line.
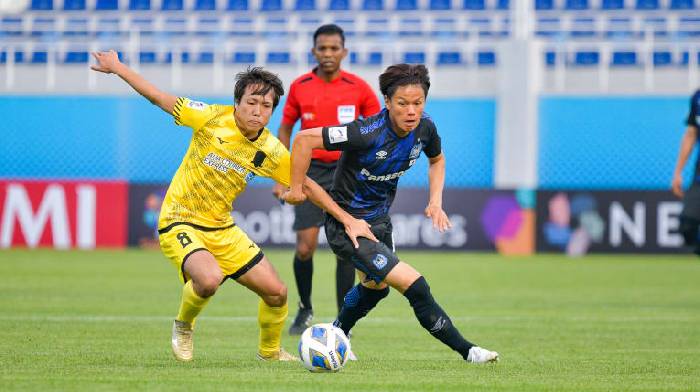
325, 96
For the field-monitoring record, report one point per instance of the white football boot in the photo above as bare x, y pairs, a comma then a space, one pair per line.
182, 341
481, 355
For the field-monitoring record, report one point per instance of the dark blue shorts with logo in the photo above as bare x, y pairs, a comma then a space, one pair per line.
375, 259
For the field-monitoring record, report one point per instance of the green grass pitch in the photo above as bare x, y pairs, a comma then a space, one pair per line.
73, 320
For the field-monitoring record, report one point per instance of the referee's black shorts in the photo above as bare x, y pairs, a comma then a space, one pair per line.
375, 259
307, 215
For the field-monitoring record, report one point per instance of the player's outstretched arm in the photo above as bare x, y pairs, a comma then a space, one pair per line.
108, 62
687, 144
304, 143
436, 179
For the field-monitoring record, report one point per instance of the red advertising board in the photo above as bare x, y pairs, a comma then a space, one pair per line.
63, 214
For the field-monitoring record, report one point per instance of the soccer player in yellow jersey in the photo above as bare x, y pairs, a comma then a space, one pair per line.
230, 145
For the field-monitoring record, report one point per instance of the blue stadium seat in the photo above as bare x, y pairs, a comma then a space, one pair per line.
237, 5
373, 5
586, 58
440, 5
74, 5
205, 58
414, 57
339, 5
172, 5
550, 58
624, 58
576, 5
243, 58
305, 5
662, 58
18, 57
473, 4
503, 4
685, 58
375, 58
11, 26
647, 4
544, 4
139, 5
205, 5
689, 26
487, 59
278, 57
449, 58
184, 57
682, 4
147, 57
271, 5
107, 5
406, 5
353, 57
76, 57
41, 5
39, 57
612, 4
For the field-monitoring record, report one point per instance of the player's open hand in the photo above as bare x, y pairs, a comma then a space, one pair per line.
107, 62
677, 185
440, 220
293, 197
358, 228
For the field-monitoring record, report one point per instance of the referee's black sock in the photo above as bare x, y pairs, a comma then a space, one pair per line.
303, 273
344, 279
434, 319
358, 302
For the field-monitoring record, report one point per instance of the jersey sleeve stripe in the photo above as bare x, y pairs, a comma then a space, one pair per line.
177, 108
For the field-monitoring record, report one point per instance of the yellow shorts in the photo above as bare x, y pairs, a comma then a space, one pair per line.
233, 250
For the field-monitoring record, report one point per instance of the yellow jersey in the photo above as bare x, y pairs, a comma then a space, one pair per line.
218, 165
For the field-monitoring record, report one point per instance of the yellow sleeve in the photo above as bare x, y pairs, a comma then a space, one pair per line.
282, 173
190, 113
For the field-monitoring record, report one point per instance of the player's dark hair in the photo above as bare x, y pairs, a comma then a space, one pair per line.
398, 75
257, 76
330, 29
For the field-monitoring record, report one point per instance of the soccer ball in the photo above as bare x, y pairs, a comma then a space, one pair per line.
323, 348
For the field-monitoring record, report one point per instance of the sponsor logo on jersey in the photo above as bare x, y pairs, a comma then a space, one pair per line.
387, 177
346, 113
337, 134
379, 261
372, 126
223, 164
196, 105
308, 116
381, 154
415, 151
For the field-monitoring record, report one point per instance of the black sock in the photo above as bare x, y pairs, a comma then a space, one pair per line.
303, 273
434, 319
344, 280
358, 302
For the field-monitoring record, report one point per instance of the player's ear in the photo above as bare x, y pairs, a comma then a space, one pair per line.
345, 53
387, 101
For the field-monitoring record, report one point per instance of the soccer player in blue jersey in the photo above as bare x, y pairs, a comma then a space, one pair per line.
690, 215
377, 151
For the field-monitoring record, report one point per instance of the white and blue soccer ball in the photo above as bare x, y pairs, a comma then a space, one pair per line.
324, 348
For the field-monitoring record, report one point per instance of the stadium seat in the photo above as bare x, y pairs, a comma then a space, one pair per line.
171, 5
353, 57
41, 5
107, 5
243, 58
612, 4
75, 57
406, 5
278, 57
375, 58
373, 5
18, 57
624, 58
271, 5
503, 4
414, 57
39, 57
184, 57
544, 5
682, 4
74, 5
139, 5
550, 58
576, 5
586, 58
205, 58
473, 4
339, 5
449, 58
689, 26
662, 58
439, 5
147, 57
305, 5
205, 5
11, 26
237, 5
647, 5
486, 58
685, 58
